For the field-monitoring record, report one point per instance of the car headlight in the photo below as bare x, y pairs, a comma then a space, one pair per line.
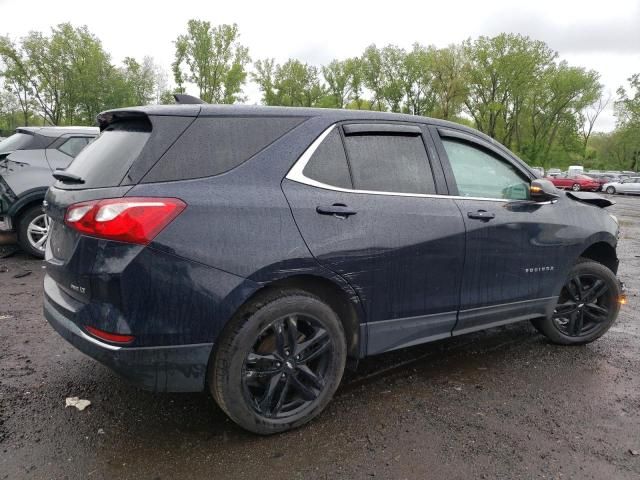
615, 219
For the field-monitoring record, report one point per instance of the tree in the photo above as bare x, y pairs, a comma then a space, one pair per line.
627, 109
501, 72
216, 61
292, 84
338, 75
264, 76
563, 92
587, 119
373, 76
68, 75
449, 69
139, 80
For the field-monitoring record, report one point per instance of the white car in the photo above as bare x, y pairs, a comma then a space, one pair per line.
628, 185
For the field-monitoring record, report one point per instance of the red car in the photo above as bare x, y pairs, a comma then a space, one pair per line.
575, 182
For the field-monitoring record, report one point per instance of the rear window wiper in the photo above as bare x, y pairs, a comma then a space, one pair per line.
67, 177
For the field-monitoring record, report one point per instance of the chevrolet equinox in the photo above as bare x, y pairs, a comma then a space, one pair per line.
255, 251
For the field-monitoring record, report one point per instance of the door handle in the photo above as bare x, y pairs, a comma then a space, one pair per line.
339, 210
481, 215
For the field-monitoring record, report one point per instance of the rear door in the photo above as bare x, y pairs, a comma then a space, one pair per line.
632, 185
515, 251
365, 198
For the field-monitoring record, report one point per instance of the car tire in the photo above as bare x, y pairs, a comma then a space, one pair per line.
611, 190
30, 221
583, 319
257, 368
575, 187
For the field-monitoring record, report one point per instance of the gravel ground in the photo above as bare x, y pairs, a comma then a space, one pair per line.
503, 403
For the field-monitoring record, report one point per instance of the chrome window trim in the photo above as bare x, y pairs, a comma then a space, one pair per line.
296, 174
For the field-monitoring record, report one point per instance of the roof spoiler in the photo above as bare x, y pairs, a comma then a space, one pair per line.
184, 99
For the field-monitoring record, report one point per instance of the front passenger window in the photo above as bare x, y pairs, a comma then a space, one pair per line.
480, 174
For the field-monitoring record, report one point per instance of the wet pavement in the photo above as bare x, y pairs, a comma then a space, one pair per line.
503, 403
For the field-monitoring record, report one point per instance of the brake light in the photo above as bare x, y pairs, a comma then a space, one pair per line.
108, 336
128, 219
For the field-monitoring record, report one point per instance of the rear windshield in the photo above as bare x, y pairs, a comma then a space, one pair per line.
106, 160
15, 142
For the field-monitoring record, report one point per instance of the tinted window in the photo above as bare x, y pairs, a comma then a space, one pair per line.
480, 174
390, 163
217, 144
106, 160
73, 146
16, 141
329, 163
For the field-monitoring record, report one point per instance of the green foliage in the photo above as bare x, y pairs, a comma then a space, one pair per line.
292, 84
509, 86
67, 77
216, 61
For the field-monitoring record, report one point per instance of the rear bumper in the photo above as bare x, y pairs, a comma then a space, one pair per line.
175, 368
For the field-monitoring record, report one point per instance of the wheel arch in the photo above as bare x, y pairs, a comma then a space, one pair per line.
27, 200
341, 299
604, 253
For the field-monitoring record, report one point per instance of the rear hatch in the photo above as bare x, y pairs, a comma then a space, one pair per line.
130, 143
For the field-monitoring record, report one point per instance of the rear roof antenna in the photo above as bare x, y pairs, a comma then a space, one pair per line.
184, 99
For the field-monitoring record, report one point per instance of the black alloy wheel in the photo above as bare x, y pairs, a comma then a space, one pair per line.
587, 306
285, 370
584, 304
278, 362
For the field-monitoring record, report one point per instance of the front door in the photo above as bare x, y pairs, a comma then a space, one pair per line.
373, 217
515, 253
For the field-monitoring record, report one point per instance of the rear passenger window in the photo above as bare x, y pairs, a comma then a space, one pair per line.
328, 164
214, 145
390, 163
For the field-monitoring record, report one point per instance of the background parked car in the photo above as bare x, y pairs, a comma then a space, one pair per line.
28, 159
539, 171
627, 185
575, 182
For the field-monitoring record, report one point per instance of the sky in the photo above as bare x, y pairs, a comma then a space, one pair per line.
599, 35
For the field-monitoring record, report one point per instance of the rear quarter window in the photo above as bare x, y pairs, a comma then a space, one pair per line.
214, 145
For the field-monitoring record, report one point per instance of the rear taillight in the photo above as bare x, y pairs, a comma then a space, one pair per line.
128, 219
109, 336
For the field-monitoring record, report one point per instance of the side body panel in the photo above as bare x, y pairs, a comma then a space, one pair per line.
403, 255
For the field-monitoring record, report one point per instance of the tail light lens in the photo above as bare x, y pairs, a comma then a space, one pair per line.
129, 219
108, 336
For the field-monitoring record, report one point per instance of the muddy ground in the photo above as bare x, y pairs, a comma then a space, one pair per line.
497, 404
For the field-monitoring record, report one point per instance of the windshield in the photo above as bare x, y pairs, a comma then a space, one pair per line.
15, 142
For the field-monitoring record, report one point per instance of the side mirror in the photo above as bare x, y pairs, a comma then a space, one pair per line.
543, 190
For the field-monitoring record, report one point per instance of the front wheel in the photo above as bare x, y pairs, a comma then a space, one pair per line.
33, 231
575, 187
587, 307
611, 190
278, 364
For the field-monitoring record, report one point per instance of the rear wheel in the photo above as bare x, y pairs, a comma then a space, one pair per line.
611, 190
278, 365
575, 187
587, 307
33, 231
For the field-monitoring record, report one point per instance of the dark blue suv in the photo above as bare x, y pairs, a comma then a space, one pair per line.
252, 251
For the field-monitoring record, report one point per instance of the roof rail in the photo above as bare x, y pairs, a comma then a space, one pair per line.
184, 99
